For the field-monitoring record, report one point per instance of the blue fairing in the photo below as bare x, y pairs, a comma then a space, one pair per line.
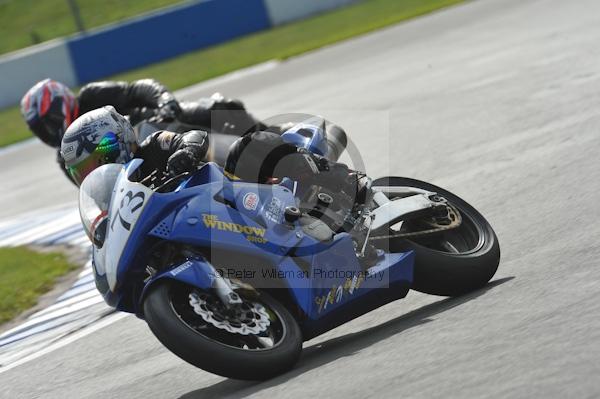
336, 277
197, 272
210, 211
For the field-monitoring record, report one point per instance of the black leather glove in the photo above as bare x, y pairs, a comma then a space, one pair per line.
168, 107
182, 161
192, 150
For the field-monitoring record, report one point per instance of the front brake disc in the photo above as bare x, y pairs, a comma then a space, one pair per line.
248, 318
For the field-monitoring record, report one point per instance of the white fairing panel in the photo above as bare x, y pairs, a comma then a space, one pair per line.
128, 201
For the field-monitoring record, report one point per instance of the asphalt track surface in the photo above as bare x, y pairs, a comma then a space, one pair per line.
496, 100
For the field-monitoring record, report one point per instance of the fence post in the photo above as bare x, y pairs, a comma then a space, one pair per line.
76, 15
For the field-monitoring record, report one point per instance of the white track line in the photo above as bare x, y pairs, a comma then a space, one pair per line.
104, 322
18, 146
81, 297
39, 232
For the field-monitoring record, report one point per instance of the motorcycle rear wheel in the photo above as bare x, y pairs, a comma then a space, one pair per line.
451, 262
228, 354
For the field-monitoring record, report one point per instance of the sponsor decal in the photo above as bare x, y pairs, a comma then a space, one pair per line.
274, 210
251, 233
337, 292
86, 140
181, 268
250, 201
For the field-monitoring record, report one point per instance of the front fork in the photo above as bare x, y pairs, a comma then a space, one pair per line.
196, 271
221, 285
225, 291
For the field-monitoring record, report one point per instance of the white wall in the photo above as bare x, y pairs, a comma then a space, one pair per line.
21, 69
282, 11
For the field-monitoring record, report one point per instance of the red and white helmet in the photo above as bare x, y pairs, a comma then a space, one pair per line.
48, 108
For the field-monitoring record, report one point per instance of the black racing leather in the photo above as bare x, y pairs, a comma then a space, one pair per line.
125, 97
223, 115
143, 99
195, 113
138, 98
255, 156
263, 155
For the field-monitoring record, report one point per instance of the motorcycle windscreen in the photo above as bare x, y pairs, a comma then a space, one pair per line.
94, 200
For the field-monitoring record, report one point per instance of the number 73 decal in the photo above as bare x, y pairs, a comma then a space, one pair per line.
129, 205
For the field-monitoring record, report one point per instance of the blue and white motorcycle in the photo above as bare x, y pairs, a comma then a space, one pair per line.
233, 276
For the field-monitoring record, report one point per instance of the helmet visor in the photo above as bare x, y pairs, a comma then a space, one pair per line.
107, 151
50, 126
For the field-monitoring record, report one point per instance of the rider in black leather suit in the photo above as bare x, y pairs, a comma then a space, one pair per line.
49, 107
142, 98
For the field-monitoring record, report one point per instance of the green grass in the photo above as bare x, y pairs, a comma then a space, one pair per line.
285, 41
24, 276
12, 127
279, 43
21, 20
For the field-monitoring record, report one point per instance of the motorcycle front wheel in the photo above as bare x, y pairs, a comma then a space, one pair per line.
447, 262
258, 341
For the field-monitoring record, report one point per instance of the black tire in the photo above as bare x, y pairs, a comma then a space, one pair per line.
214, 356
443, 273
